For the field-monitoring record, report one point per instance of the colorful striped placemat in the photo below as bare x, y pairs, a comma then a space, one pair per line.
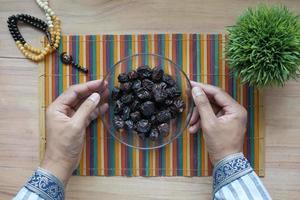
201, 57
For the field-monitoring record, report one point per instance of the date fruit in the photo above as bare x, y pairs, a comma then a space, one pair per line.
145, 101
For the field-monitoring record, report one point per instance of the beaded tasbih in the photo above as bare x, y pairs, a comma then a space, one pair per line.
68, 60
49, 12
51, 29
65, 58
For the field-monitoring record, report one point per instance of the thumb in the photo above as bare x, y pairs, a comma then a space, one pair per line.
82, 115
205, 110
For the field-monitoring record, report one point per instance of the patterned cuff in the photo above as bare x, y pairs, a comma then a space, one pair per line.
46, 185
229, 169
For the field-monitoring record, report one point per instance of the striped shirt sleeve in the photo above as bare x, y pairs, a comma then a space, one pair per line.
42, 185
234, 178
25, 194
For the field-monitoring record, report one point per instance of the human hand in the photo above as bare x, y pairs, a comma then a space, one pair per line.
66, 120
222, 119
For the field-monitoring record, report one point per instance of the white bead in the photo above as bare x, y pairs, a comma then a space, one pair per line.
51, 25
48, 18
51, 13
48, 10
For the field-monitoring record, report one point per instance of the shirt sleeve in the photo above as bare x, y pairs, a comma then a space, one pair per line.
234, 178
42, 185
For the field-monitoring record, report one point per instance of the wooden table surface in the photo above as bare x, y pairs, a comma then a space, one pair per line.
19, 132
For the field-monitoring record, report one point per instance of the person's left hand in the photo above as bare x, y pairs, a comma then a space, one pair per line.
66, 120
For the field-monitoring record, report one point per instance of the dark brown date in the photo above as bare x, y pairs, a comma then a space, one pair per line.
145, 101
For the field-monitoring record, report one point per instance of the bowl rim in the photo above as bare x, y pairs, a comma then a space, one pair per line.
188, 118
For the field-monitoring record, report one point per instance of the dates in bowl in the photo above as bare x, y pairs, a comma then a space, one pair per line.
145, 101
150, 101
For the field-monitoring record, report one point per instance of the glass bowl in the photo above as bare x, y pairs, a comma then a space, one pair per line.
177, 125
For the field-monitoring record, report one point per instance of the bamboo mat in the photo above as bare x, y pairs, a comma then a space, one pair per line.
201, 57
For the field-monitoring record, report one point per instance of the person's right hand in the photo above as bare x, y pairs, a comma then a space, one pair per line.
66, 121
222, 119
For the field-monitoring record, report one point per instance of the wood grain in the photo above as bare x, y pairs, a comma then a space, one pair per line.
19, 108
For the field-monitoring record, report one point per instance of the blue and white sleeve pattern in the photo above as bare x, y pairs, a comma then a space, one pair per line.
42, 185
234, 178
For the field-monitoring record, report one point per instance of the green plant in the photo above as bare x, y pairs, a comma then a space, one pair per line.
263, 48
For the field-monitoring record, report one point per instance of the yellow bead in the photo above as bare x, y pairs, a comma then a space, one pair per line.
56, 45
26, 45
18, 42
26, 54
21, 48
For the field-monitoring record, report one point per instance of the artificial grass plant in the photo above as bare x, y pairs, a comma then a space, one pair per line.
263, 47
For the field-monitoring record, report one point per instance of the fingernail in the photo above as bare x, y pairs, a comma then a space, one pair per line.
197, 91
191, 130
95, 97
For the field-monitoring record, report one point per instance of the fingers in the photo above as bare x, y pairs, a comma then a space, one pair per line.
104, 99
75, 93
221, 98
99, 111
195, 116
195, 121
103, 108
195, 127
104, 96
83, 117
206, 112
